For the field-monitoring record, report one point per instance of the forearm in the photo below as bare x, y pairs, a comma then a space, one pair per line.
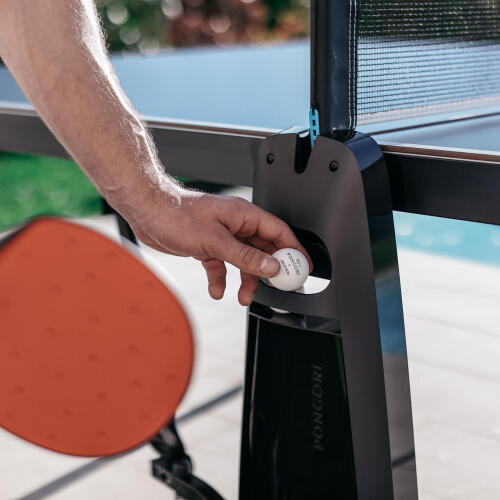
55, 50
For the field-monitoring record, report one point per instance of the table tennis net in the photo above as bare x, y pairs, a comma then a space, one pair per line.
425, 56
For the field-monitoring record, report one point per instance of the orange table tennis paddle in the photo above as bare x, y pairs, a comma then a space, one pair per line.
96, 352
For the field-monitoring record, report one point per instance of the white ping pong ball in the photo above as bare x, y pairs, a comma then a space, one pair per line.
294, 270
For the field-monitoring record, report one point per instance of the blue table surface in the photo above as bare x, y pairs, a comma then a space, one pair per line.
478, 134
263, 87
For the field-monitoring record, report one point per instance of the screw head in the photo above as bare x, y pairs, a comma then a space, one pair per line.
270, 158
334, 165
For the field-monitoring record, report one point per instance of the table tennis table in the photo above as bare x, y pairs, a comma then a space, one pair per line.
211, 112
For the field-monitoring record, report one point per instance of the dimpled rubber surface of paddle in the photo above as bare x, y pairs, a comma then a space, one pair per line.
96, 352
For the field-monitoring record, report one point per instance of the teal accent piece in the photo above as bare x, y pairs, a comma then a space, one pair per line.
313, 125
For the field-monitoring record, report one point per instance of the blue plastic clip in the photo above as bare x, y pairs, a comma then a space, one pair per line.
313, 125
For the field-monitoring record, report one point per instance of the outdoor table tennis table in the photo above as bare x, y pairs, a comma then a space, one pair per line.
211, 110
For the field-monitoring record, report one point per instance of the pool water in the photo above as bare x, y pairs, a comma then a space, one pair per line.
453, 238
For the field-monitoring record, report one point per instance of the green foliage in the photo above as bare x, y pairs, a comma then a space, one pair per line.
133, 24
276, 8
32, 185
148, 25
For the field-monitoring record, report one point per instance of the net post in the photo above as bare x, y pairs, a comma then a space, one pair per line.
334, 66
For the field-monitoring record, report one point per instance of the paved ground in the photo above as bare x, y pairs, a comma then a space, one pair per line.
453, 335
452, 320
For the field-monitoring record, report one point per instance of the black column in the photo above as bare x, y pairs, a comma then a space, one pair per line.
333, 66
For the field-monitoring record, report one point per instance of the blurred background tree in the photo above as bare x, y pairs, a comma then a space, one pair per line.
149, 25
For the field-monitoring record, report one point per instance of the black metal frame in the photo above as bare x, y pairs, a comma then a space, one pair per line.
442, 183
299, 365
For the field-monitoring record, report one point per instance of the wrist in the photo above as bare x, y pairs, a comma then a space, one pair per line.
140, 198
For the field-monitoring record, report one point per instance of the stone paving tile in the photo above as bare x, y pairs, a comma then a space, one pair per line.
453, 338
127, 478
451, 462
25, 467
456, 399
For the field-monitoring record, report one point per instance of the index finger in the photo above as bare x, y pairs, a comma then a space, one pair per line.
278, 232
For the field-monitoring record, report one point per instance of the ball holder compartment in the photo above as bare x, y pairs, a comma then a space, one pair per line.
314, 390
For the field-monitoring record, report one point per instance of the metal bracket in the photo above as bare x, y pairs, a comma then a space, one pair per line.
324, 195
186, 486
174, 467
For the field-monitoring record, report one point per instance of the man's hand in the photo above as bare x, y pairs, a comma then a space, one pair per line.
56, 52
215, 229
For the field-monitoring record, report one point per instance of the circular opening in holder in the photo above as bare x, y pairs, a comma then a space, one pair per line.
313, 285
321, 276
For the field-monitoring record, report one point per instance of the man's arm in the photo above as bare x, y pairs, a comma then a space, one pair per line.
56, 52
